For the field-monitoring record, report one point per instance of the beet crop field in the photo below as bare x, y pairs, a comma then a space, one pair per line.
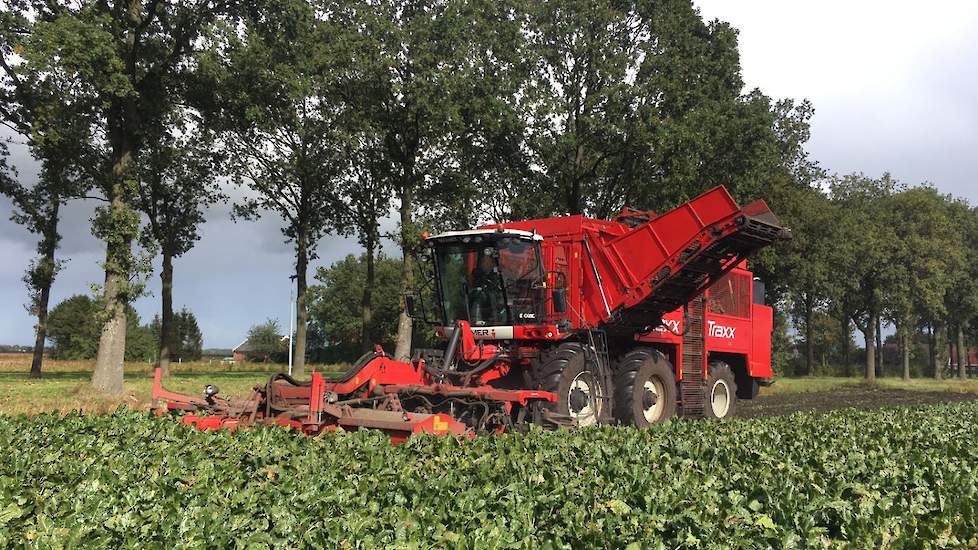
886, 478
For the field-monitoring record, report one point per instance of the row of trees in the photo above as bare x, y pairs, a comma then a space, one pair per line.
335, 114
871, 252
73, 332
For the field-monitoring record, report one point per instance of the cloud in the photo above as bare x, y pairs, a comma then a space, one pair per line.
892, 82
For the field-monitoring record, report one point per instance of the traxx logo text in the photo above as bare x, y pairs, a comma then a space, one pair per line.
720, 331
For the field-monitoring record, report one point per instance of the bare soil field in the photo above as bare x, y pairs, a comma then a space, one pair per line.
859, 396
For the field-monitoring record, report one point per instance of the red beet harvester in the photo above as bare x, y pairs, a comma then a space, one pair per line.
565, 321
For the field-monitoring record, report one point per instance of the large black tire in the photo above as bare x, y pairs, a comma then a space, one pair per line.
721, 392
572, 374
645, 388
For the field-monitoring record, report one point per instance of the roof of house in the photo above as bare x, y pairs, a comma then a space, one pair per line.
247, 347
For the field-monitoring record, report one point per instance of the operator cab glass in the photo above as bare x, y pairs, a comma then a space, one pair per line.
490, 280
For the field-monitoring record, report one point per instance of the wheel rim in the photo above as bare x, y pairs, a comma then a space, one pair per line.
720, 398
583, 399
652, 409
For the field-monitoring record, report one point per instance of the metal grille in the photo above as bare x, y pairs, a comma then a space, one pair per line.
730, 295
673, 289
692, 388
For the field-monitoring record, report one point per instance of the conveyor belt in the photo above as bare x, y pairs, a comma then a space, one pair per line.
707, 256
692, 387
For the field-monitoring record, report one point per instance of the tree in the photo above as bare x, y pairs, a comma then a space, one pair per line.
37, 208
72, 328
803, 259
186, 342
51, 117
419, 76
639, 103
864, 253
126, 64
335, 301
177, 182
283, 128
961, 296
141, 342
266, 340
368, 197
925, 243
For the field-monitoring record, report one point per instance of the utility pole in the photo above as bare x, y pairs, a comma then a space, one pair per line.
291, 317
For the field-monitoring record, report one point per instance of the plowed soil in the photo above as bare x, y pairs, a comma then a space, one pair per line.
856, 396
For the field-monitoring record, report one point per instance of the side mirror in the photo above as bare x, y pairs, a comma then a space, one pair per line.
414, 305
411, 305
559, 297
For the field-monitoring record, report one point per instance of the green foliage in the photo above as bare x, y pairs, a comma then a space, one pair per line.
141, 341
187, 339
335, 305
887, 478
265, 341
177, 174
74, 329
271, 94
634, 103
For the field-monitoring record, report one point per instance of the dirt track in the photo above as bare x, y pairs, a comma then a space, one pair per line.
856, 396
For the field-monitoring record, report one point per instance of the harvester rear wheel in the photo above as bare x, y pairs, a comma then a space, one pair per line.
645, 388
721, 391
572, 374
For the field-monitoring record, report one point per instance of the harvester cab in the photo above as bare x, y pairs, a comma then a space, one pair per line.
558, 322
490, 278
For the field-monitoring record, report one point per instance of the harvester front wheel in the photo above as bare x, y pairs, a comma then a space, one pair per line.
645, 388
570, 373
721, 391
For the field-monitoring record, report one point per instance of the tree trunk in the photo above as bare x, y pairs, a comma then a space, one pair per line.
166, 322
42, 326
870, 336
846, 333
905, 349
932, 351
301, 313
809, 334
879, 345
366, 314
49, 244
940, 350
962, 353
405, 327
109, 362
575, 205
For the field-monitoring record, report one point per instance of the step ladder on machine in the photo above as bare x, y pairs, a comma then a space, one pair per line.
692, 387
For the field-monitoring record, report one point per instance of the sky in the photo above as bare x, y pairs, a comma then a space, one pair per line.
894, 85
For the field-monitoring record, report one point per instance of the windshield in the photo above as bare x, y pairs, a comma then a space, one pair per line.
489, 283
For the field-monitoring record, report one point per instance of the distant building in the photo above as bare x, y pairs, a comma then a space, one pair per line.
245, 352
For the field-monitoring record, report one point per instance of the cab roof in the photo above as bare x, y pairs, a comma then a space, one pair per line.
518, 233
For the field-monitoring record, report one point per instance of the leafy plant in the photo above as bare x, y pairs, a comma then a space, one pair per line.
898, 478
